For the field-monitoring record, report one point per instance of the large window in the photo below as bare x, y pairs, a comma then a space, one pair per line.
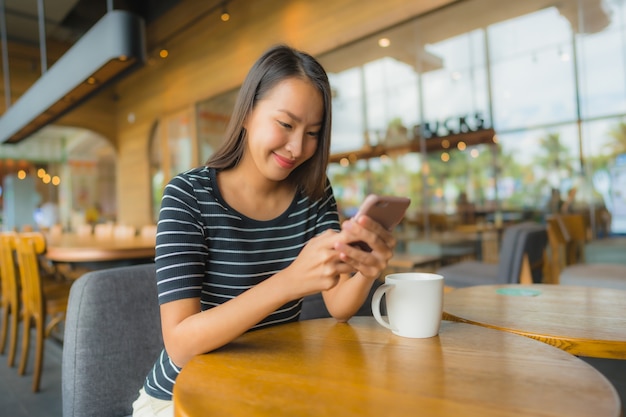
550, 81
173, 148
532, 71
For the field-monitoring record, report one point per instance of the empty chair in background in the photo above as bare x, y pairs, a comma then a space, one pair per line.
566, 272
103, 230
42, 306
10, 295
576, 231
55, 231
84, 230
594, 275
521, 259
121, 231
148, 231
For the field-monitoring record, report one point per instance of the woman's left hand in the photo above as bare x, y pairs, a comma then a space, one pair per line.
381, 242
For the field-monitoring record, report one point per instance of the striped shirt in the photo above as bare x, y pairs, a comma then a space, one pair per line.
207, 250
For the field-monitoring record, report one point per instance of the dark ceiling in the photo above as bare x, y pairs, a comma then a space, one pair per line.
68, 20
87, 12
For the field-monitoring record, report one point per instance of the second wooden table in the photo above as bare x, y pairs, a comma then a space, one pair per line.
580, 320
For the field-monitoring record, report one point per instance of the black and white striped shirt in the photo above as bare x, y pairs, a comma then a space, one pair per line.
207, 250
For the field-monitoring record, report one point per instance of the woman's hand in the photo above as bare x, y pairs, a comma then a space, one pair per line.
318, 266
380, 240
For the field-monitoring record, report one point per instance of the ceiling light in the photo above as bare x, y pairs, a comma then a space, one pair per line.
384, 42
225, 16
112, 48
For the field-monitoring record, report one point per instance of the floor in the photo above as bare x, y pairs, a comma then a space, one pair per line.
17, 399
16, 396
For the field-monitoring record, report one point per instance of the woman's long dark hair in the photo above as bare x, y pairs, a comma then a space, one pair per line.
275, 65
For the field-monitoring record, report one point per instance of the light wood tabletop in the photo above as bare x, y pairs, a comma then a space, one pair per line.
325, 368
76, 248
583, 321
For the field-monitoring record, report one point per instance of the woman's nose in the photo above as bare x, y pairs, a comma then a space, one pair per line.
294, 146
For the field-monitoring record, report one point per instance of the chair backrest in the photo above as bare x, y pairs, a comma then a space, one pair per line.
123, 231
557, 242
112, 338
103, 230
575, 229
507, 252
148, 231
85, 229
9, 293
28, 246
8, 275
517, 242
533, 239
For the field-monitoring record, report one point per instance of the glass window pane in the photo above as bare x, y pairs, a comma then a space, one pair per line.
348, 125
458, 88
213, 116
602, 71
532, 71
532, 162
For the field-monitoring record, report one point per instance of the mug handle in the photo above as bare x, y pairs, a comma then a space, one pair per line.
378, 295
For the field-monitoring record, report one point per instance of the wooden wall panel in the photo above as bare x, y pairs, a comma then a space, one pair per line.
133, 179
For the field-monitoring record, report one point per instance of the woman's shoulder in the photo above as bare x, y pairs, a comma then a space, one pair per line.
198, 182
194, 177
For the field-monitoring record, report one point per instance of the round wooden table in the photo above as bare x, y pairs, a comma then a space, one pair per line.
76, 248
324, 368
583, 321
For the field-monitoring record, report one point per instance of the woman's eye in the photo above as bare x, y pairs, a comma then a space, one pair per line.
285, 125
314, 134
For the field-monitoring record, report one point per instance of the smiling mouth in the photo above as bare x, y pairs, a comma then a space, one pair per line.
284, 162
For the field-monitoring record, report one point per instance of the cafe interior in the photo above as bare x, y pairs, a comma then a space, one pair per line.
503, 122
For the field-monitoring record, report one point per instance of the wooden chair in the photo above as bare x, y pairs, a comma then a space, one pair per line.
10, 295
574, 228
84, 230
557, 244
122, 231
148, 231
56, 230
563, 271
437, 222
43, 309
103, 230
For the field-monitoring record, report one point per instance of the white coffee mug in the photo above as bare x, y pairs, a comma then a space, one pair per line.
414, 304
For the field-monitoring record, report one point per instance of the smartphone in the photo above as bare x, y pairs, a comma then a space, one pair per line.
384, 209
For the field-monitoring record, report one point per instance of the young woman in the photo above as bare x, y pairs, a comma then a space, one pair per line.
243, 239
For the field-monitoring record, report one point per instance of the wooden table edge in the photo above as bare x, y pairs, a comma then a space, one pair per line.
605, 349
96, 255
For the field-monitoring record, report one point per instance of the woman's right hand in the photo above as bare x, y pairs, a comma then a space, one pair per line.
317, 267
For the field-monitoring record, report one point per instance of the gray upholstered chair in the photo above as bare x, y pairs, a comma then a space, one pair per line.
522, 242
595, 275
112, 338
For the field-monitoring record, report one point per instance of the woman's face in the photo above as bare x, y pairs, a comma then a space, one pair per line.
283, 129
